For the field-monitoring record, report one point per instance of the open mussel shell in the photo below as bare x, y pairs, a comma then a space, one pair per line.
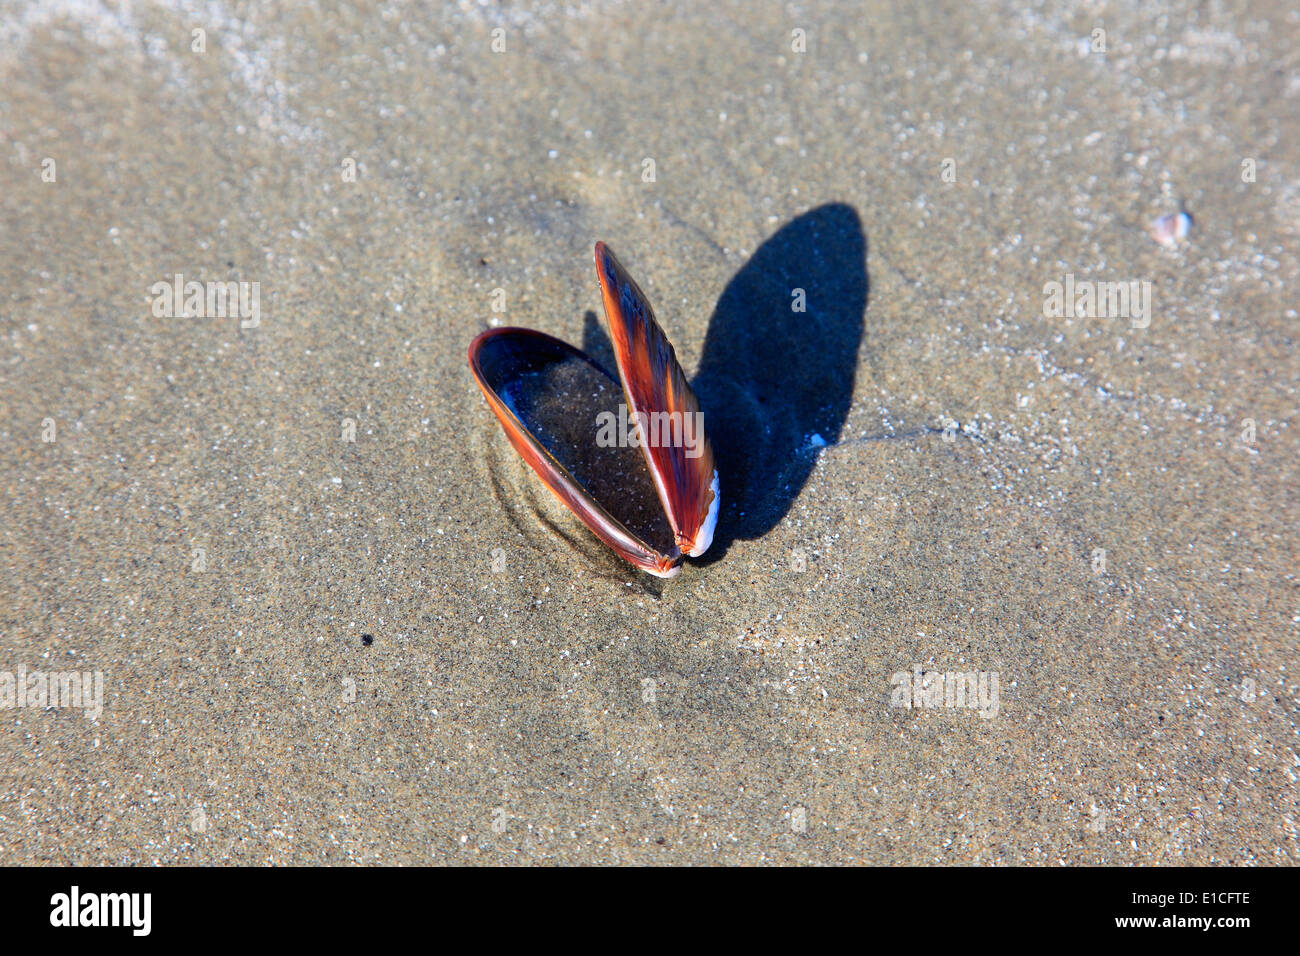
549, 397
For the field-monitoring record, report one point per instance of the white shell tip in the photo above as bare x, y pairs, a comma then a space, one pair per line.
704, 537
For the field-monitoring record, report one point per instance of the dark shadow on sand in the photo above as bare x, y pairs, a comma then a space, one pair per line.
771, 378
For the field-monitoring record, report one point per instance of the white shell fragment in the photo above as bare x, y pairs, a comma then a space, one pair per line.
1171, 229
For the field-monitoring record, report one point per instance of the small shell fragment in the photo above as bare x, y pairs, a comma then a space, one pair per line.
1171, 229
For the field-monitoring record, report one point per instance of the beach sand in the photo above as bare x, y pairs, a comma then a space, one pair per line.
402, 649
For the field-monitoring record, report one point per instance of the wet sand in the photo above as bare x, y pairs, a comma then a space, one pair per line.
401, 649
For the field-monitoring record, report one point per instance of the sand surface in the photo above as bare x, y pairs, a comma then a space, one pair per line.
401, 649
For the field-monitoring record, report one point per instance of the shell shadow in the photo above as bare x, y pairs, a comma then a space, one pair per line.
772, 377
